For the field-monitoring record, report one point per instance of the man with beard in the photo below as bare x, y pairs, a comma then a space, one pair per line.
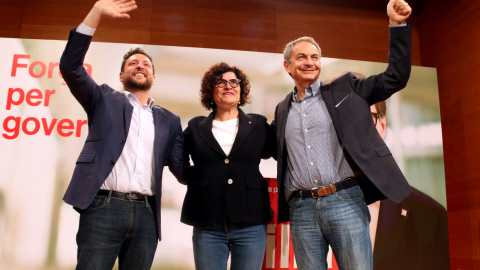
116, 184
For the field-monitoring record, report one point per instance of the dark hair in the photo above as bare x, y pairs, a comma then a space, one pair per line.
381, 107
210, 79
136, 51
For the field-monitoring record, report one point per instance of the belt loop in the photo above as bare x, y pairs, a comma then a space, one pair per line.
225, 226
333, 188
109, 195
146, 201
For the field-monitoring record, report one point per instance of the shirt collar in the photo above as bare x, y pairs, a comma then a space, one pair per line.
134, 101
310, 91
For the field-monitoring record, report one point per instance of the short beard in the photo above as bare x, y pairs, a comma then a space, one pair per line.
131, 84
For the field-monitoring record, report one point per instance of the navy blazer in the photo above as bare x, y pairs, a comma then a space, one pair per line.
229, 186
416, 239
109, 114
348, 101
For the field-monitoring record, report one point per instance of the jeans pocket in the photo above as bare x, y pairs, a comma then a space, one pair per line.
294, 203
350, 194
98, 203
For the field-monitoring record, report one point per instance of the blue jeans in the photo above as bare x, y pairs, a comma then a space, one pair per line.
212, 244
111, 228
340, 220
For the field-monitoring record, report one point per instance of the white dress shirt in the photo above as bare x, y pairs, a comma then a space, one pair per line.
135, 170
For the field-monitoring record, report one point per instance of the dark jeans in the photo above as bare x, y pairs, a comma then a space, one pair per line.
111, 228
212, 245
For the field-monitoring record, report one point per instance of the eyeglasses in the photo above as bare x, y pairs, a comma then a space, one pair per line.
233, 83
376, 117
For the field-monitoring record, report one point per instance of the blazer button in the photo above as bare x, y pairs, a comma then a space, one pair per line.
122, 142
230, 181
227, 161
112, 162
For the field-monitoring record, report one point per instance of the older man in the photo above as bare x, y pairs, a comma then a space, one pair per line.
327, 159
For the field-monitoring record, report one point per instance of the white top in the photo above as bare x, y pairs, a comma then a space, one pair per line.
225, 133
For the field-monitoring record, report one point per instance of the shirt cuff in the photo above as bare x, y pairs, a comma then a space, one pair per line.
400, 25
85, 29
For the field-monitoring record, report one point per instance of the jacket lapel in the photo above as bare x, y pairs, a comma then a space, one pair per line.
127, 114
282, 116
205, 132
245, 127
159, 121
327, 95
326, 92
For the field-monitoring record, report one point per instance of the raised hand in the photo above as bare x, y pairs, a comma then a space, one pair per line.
398, 11
114, 9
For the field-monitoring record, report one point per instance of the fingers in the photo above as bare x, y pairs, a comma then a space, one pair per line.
117, 9
125, 5
402, 8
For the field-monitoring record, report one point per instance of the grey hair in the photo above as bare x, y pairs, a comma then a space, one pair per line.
287, 52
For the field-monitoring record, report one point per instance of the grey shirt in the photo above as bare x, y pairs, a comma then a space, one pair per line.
315, 156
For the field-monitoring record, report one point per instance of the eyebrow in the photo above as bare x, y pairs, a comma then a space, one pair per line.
143, 61
304, 54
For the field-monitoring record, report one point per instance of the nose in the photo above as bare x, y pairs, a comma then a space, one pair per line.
309, 61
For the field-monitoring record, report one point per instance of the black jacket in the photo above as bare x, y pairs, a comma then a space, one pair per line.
412, 235
229, 187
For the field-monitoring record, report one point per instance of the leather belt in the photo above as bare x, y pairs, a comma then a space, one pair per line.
125, 196
325, 190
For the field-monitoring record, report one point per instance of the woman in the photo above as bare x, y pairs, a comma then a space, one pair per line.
227, 197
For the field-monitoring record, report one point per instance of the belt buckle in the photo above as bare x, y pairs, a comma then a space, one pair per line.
322, 192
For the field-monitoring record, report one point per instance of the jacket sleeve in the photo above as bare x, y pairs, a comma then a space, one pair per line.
270, 147
175, 159
82, 86
380, 87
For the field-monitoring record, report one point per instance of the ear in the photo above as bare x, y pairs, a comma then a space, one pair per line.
121, 76
286, 65
153, 82
382, 127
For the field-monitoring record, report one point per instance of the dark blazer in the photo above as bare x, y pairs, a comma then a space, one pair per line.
418, 239
109, 113
224, 186
348, 101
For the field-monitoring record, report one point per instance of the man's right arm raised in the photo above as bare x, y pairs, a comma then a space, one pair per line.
79, 82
